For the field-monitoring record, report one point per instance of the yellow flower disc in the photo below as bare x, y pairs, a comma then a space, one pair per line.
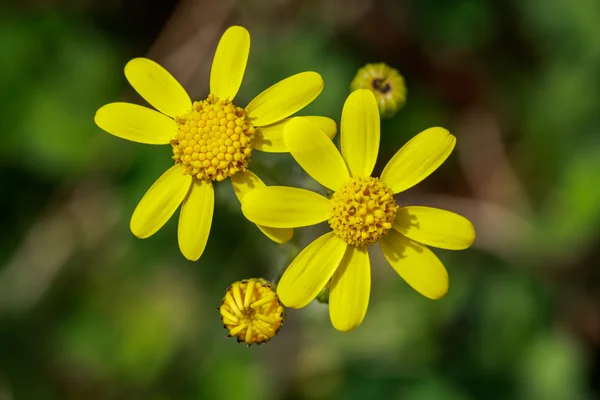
387, 85
251, 311
214, 140
363, 211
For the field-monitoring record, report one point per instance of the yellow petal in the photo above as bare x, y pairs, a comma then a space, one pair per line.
350, 289
285, 207
435, 227
135, 123
418, 158
195, 219
310, 271
229, 63
316, 153
245, 182
158, 87
360, 132
270, 138
278, 235
160, 202
285, 98
416, 264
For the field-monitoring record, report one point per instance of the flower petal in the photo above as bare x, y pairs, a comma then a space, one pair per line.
285, 207
310, 271
316, 153
135, 123
158, 87
360, 132
229, 63
416, 264
278, 235
160, 202
418, 158
350, 289
435, 227
270, 138
285, 98
195, 219
245, 182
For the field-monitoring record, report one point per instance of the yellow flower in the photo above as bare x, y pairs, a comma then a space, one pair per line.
387, 85
211, 139
361, 212
251, 311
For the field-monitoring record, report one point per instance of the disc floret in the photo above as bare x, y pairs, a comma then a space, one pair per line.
363, 211
213, 140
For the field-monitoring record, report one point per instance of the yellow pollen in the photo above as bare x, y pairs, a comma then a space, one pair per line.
363, 211
251, 311
213, 140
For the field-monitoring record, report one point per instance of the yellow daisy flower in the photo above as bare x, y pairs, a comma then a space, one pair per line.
361, 212
251, 311
211, 139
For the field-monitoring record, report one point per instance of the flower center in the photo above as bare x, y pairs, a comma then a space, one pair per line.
381, 85
251, 311
214, 139
363, 211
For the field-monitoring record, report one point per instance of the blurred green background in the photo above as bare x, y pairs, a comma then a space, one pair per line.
87, 311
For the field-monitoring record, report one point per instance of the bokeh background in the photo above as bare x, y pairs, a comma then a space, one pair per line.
87, 311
